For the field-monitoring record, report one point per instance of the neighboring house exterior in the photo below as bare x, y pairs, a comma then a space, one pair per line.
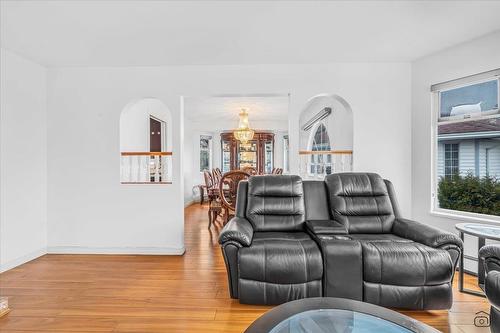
471, 146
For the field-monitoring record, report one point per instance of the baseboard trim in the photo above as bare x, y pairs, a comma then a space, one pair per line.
115, 250
189, 203
23, 259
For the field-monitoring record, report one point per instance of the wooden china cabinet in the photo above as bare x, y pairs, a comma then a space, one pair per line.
257, 153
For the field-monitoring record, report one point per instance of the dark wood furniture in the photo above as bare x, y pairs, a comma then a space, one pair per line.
214, 202
228, 187
257, 153
217, 175
250, 170
277, 171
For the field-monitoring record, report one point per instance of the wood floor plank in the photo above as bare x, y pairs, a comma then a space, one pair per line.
132, 293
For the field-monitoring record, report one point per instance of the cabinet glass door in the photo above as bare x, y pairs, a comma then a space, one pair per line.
226, 156
268, 157
247, 155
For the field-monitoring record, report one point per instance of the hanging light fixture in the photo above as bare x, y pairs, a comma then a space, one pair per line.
243, 133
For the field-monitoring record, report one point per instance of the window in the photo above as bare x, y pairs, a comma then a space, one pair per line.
320, 163
286, 154
465, 102
467, 164
451, 160
205, 153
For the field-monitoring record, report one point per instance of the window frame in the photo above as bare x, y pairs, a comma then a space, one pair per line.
315, 157
436, 120
457, 160
465, 117
209, 149
286, 153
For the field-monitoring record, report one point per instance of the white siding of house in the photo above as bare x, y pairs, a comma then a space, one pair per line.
495, 162
482, 157
494, 157
466, 157
440, 160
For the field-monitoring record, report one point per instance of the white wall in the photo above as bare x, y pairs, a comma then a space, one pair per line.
89, 210
191, 161
466, 59
339, 124
134, 124
23, 147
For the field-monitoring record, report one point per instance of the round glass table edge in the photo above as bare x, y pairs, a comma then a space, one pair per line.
476, 229
347, 319
273, 317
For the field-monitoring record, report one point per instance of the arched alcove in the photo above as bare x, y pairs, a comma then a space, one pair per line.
146, 142
326, 136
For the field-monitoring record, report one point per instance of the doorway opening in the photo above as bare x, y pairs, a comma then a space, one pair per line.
157, 136
221, 118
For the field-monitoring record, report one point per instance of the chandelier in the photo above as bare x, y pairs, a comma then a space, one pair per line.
243, 133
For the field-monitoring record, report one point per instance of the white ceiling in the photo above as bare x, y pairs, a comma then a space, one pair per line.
263, 108
128, 33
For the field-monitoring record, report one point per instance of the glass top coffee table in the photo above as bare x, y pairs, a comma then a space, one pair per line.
332, 315
482, 232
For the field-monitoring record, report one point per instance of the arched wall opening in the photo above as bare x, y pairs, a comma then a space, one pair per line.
135, 122
326, 136
146, 142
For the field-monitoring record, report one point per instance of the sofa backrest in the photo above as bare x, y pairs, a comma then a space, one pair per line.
362, 201
316, 200
275, 203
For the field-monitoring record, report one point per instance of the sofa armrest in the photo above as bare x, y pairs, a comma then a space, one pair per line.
238, 230
326, 227
425, 234
490, 252
492, 288
491, 256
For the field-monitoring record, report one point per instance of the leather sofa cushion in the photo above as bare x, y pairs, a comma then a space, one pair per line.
436, 297
257, 292
275, 203
316, 200
405, 264
326, 227
361, 201
281, 257
275, 186
378, 238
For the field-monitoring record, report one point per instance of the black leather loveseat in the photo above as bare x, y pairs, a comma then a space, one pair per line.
342, 237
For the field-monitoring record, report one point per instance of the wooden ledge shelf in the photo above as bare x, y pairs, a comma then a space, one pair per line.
146, 153
146, 183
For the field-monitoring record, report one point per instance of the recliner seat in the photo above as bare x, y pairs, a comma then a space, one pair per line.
401, 263
270, 257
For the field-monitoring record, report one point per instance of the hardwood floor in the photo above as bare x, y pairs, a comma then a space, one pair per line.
109, 293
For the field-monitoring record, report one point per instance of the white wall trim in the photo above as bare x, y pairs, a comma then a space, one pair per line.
191, 202
115, 250
465, 216
23, 259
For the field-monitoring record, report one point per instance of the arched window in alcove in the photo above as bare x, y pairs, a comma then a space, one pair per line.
321, 140
145, 142
320, 164
326, 136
